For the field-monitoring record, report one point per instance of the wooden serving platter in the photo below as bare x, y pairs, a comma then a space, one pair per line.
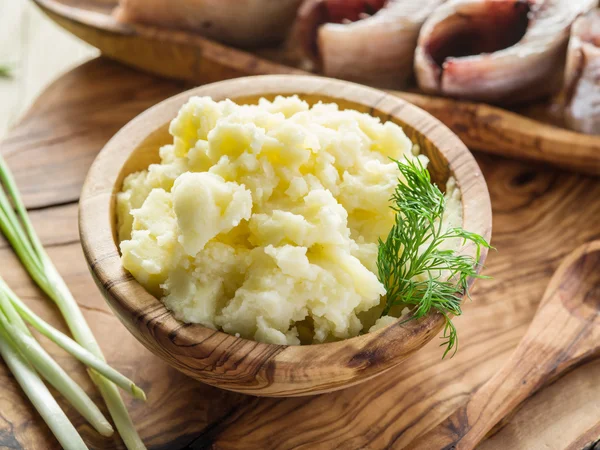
540, 215
529, 132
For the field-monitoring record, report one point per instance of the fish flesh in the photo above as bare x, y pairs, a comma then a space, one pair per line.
243, 23
582, 75
367, 41
498, 51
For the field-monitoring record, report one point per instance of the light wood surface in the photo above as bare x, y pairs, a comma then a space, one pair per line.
540, 215
238, 364
564, 333
37, 51
177, 54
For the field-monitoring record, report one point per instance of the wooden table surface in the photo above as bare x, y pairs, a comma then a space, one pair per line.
540, 214
37, 50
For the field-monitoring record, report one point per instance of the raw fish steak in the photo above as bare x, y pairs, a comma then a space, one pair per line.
503, 51
368, 41
582, 75
245, 23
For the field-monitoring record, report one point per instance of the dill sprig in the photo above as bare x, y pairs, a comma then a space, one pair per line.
414, 269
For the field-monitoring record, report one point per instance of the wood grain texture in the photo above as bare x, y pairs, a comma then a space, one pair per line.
540, 215
235, 363
181, 55
564, 332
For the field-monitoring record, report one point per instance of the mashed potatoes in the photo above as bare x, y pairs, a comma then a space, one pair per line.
263, 220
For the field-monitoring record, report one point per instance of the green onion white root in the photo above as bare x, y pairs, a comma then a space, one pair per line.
26, 358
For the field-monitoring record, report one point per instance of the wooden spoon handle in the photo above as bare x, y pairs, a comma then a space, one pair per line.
498, 131
565, 331
468, 425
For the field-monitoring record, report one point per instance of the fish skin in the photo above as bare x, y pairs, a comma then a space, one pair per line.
582, 75
529, 68
340, 10
377, 50
243, 23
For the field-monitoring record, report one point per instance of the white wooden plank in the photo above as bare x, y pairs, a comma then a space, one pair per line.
38, 50
12, 43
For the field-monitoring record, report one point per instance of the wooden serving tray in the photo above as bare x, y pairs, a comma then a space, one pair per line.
540, 215
528, 132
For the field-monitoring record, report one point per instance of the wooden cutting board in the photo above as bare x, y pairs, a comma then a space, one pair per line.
540, 214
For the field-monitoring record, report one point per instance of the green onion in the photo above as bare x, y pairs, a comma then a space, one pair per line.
5, 71
22, 236
56, 376
40, 396
66, 343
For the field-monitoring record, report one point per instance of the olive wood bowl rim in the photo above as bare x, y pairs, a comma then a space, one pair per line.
128, 298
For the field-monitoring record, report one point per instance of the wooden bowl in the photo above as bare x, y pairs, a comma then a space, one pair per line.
235, 363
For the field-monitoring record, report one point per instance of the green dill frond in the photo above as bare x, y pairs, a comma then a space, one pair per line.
413, 268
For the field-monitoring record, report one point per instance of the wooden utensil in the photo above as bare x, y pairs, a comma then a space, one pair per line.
565, 332
238, 364
188, 56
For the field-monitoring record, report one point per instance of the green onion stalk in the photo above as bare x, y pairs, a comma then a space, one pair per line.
39, 395
22, 236
48, 368
5, 71
22, 311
